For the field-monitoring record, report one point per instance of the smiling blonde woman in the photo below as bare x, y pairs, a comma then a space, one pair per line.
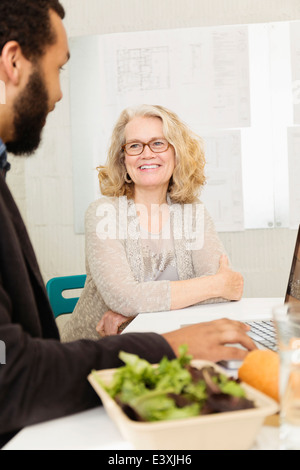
188, 176
150, 242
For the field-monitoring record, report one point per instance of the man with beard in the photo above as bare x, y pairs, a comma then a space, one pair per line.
41, 378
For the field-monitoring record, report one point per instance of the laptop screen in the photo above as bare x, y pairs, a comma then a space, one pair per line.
293, 288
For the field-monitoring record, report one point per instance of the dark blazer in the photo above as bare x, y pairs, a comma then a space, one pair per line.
43, 378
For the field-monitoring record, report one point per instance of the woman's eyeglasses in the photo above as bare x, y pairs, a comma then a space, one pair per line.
155, 145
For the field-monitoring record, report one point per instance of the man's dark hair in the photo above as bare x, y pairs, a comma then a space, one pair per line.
28, 23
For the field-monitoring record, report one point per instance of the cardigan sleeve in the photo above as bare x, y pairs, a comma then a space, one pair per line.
206, 259
110, 270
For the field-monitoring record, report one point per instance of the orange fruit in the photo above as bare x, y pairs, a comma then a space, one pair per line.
260, 370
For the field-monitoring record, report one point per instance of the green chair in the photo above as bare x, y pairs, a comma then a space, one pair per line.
55, 288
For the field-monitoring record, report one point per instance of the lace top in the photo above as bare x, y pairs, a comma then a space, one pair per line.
158, 255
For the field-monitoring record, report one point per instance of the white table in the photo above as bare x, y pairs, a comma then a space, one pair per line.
93, 429
245, 309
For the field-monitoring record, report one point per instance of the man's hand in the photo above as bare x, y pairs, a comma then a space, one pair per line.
112, 323
210, 340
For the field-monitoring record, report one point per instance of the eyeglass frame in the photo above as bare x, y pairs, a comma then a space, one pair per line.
144, 145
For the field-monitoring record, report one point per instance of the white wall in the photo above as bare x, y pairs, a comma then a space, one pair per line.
42, 184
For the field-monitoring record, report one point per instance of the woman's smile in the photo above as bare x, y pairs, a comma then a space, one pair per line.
149, 166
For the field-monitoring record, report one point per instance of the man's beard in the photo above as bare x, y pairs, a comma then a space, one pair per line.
30, 112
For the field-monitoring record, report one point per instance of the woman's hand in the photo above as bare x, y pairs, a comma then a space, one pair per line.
112, 323
231, 283
214, 340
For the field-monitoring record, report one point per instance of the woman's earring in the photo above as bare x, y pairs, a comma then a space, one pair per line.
127, 178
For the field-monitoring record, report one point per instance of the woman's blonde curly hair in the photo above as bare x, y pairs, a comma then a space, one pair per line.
188, 176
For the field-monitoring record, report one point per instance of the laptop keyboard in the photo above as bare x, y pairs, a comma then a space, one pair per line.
264, 333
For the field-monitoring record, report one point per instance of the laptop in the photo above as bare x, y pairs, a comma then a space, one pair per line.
263, 331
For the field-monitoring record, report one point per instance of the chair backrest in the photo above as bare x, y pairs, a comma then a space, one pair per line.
55, 288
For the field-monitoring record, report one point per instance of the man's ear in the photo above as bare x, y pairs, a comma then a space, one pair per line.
13, 62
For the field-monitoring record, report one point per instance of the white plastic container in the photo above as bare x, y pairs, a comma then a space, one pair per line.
234, 430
